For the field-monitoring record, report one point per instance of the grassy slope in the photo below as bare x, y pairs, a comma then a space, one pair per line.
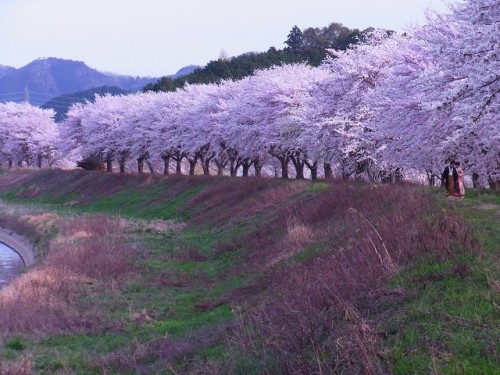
451, 324
181, 306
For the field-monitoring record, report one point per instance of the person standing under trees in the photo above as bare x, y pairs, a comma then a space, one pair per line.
460, 184
450, 179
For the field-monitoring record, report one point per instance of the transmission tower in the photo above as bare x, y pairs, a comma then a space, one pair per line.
26, 94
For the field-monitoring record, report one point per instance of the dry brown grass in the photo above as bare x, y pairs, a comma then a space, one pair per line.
297, 317
23, 366
316, 317
153, 226
87, 256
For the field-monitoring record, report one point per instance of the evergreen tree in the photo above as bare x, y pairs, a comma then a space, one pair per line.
295, 40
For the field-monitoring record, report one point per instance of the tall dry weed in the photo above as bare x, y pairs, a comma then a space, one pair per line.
86, 257
23, 366
316, 317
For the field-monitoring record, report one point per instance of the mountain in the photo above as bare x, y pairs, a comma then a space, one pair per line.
185, 70
5, 70
47, 78
61, 104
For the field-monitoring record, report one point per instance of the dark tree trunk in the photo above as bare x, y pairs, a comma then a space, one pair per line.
109, 165
177, 156
192, 166
257, 165
284, 166
298, 163
328, 171
140, 165
39, 160
205, 157
234, 161
122, 160
431, 178
493, 184
475, 180
150, 166
220, 167
314, 169
246, 164
206, 167
10, 163
166, 164
234, 166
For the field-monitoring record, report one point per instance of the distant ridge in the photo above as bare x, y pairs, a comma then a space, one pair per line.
60, 104
185, 70
44, 79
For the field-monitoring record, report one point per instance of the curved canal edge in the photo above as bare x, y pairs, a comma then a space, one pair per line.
19, 244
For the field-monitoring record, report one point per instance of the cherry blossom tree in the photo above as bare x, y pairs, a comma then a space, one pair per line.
395, 101
340, 115
440, 94
28, 134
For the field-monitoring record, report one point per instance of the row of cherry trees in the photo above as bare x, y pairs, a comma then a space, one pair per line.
28, 135
409, 101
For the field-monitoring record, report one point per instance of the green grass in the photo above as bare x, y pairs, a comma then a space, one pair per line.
449, 322
189, 322
15, 343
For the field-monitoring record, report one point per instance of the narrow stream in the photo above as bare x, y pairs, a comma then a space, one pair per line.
11, 264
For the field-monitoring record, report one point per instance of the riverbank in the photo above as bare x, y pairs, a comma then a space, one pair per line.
209, 275
21, 245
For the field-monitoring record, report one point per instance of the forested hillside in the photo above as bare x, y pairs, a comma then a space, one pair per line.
61, 104
310, 45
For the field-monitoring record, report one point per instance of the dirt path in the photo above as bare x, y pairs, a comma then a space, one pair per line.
489, 206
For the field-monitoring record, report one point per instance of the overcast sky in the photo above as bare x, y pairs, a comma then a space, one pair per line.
158, 37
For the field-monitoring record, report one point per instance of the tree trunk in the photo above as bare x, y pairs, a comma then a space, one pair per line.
328, 171
494, 184
475, 180
220, 168
246, 167
10, 163
140, 165
232, 168
284, 166
166, 164
431, 177
39, 160
257, 165
109, 165
314, 170
298, 163
177, 156
122, 160
205, 164
150, 166
192, 166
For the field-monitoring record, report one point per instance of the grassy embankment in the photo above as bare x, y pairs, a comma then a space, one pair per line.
146, 274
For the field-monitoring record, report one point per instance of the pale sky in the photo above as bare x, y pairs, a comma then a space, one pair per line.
158, 37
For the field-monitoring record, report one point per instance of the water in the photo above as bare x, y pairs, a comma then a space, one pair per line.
11, 264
